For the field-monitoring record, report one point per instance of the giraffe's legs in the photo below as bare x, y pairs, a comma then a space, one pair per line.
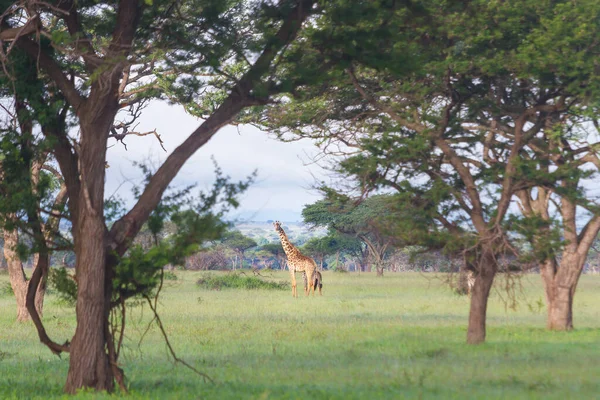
310, 277
317, 282
305, 281
294, 292
320, 284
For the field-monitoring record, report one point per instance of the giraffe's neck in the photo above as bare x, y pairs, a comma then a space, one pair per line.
288, 247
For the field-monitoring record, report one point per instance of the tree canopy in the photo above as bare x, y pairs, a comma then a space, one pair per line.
454, 113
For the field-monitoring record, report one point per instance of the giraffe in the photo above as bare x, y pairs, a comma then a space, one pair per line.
297, 262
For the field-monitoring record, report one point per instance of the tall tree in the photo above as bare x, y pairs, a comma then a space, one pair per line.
561, 240
33, 191
442, 113
372, 221
276, 250
100, 58
14, 249
321, 247
239, 243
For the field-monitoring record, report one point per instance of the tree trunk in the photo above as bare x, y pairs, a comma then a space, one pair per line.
560, 285
89, 364
17, 278
41, 290
19, 288
379, 269
484, 278
16, 274
560, 312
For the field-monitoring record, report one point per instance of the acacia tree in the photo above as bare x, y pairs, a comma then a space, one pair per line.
239, 243
367, 220
99, 58
321, 247
559, 247
444, 110
33, 190
276, 250
14, 250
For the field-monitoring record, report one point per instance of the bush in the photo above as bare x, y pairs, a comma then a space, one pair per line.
169, 276
238, 281
6, 290
62, 282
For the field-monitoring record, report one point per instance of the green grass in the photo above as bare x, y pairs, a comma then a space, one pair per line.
400, 336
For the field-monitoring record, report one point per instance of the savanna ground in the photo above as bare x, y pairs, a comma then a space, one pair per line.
400, 336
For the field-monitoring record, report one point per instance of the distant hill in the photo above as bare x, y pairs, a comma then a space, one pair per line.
264, 232
267, 214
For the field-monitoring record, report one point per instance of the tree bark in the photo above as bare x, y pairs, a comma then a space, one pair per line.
41, 290
484, 278
18, 280
89, 365
560, 285
16, 273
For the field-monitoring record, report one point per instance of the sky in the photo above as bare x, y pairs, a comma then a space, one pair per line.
285, 172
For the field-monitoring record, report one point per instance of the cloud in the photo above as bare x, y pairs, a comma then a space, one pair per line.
284, 180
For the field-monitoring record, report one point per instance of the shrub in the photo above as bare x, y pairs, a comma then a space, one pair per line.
169, 276
63, 283
238, 281
6, 290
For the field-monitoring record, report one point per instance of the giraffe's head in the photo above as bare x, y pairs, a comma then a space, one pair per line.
277, 226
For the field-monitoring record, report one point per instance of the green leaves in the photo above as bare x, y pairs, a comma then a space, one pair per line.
426, 100
191, 221
237, 241
63, 282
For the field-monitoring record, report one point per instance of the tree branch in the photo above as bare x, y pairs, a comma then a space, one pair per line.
32, 288
127, 227
53, 70
83, 45
395, 116
587, 235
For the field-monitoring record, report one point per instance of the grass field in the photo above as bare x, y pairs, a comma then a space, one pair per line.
400, 336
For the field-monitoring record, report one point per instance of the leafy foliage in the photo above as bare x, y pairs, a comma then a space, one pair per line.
238, 281
6, 290
63, 283
237, 241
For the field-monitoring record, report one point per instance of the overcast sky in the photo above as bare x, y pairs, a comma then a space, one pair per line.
284, 182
